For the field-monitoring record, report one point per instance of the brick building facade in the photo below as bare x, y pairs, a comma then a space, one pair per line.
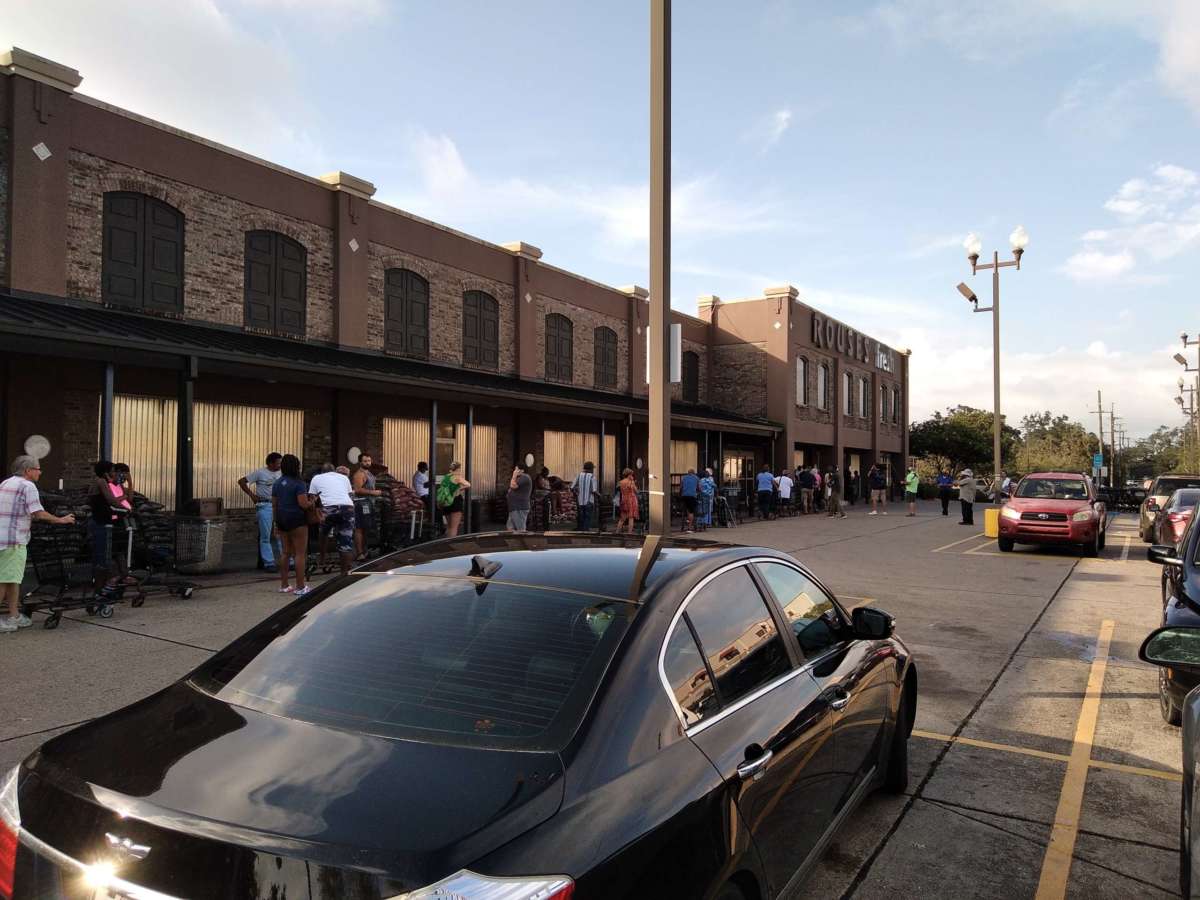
140, 261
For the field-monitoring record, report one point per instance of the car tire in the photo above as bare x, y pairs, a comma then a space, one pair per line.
895, 781
1103, 538
1005, 544
730, 891
1092, 547
1171, 713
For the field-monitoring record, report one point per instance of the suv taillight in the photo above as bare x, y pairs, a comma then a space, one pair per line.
10, 826
472, 886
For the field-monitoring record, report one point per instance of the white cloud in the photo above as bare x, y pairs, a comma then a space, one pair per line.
768, 130
931, 246
1092, 265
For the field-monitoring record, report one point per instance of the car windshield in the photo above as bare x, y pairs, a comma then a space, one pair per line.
438, 659
1164, 487
1053, 489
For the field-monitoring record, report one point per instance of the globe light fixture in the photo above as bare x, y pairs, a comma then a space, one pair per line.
1018, 240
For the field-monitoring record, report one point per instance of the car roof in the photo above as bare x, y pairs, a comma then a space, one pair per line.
599, 564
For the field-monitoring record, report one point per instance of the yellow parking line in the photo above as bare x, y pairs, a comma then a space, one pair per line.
1164, 774
956, 543
1056, 865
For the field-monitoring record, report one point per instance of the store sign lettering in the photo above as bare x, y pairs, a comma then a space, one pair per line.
831, 335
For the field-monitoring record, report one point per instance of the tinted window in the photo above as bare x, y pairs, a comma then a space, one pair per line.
810, 611
1053, 488
428, 658
690, 682
737, 634
1167, 486
1183, 499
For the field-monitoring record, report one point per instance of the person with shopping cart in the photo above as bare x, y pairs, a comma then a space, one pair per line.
20, 504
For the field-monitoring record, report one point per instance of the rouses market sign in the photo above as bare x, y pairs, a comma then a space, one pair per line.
831, 335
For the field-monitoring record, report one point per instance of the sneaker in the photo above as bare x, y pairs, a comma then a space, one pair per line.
307, 589
873, 512
885, 512
287, 590
7, 625
21, 620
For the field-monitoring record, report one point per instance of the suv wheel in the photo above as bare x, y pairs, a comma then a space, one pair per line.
1171, 713
1005, 544
1092, 547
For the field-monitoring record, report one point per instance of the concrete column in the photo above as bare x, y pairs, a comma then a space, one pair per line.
638, 319
350, 269
907, 356
39, 129
525, 262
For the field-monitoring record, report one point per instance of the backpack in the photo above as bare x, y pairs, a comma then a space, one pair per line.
446, 490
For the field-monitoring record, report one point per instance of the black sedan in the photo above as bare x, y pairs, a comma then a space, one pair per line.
1181, 607
511, 716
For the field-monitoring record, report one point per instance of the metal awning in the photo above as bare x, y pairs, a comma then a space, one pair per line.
58, 326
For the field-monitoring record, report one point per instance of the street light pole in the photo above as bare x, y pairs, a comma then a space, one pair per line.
659, 450
1019, 240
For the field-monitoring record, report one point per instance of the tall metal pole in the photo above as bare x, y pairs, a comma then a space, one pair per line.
996, 375
1100, 433
659, 451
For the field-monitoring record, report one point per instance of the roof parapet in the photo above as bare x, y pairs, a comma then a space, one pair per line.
634, 290
342, 181
522, 249
15, 61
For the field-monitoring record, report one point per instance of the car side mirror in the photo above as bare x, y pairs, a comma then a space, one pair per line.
872, 623
1174, 646
1152, 505
1164, 555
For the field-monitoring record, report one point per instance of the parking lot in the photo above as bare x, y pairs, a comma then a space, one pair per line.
1040, 764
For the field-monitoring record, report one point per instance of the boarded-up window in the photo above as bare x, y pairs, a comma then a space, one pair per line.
883, 403
481, 330
406, 443
567, 451
848, 393
606, 357
822, 386
560, 349
230, 440
801, 381
406, 313
684, 456
142, 261
864, 398
895, 405
276, 280
691, 377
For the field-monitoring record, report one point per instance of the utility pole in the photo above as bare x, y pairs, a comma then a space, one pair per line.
1112, 440
1099, 410
659, 449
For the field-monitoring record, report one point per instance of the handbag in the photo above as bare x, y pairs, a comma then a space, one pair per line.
315, 514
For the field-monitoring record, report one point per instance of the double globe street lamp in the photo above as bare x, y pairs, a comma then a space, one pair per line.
1018, 240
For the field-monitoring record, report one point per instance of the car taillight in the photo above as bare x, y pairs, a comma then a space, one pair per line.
10, 825
471, 886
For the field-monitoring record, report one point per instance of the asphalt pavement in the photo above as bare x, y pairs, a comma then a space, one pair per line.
1039, 763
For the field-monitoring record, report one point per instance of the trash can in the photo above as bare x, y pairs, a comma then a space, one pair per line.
991, 522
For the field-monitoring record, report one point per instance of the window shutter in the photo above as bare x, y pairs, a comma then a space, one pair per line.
471, 348
164, 257
417, 324
124, 249
691, 377
276, 283
605, 351
559, 348
481, 330
260, 280
291, 276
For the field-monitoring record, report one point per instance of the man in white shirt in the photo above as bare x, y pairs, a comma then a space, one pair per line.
333, 490
584, 487
785, 490
420, 480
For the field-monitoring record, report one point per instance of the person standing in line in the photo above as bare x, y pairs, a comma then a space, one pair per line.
708, 491
1006, 486
520, 486
818, 488
289, 500
584, 488
911, 486
541, 496
851, 487
20, 504
263, 479
833, 484
628, 507
420, 480
689, 493
966, 496
451, 498
878, 486
335, 491
945, 486
785, 491
363, 482
805, 479
764, 484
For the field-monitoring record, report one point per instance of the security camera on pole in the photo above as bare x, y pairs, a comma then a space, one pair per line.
1019, 240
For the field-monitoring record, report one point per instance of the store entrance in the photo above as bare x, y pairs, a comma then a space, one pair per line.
738, 470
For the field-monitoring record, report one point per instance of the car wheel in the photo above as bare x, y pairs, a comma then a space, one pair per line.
896, 779
1171, 713
730, 891
1005, 544
1092, 548
1103, 537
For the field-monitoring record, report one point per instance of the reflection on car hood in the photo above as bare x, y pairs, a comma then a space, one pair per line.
185, 761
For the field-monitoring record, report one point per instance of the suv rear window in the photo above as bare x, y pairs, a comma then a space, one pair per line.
1168, 486
438, 659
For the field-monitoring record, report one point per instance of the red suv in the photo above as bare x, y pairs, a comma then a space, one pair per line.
1054, 508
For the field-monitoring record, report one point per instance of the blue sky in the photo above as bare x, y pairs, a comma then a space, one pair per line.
845, 148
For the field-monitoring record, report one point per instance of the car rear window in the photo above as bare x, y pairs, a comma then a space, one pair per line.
1164, 487
1053, 488
1184, 499
440, 659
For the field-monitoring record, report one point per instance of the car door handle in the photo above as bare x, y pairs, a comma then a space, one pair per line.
838, 698
755, 768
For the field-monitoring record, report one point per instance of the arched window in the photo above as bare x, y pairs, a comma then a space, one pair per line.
481, 330
801, 381
406, 313
864, 399
848, 393
691, 377
605, 353
822, 386
560, 349
141, 265
895, 405
276, 279
883, 398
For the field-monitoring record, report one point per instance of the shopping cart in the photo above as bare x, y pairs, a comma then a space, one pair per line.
62, 559
156, 562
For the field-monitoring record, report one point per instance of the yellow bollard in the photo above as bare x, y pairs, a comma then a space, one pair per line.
991, 522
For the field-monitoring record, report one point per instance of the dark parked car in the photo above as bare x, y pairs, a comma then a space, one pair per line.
1160, 489
523, 716
1178, 647
1181, 607
1172, 520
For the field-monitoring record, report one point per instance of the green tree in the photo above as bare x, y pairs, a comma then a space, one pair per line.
960, 439
1054, 443
1164, 450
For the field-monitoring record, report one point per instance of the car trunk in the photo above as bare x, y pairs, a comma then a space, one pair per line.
233, 803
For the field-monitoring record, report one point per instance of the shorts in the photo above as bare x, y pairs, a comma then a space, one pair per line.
689, 503
910, 497
878, 494
12, 564
517, 519
363, 512
340, 521
286, 522
457, 506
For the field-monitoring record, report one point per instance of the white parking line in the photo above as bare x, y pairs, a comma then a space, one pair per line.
1125, 549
